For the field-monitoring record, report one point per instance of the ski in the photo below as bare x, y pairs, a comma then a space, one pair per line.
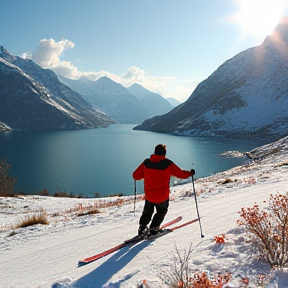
133, 240
166, 231
142, 237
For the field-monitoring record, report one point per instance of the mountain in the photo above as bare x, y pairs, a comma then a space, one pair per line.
33, 98
246, 97
119, 102
174, 102
153, 102
111, 97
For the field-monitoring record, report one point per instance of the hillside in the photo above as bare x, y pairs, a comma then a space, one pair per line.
246, 97
33, 98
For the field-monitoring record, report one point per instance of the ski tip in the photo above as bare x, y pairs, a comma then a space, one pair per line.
81, 263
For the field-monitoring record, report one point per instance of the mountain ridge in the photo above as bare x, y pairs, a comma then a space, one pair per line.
119, 102
32, 98
246, 97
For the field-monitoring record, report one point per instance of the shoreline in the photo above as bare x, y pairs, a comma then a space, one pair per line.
40, 255
264, 159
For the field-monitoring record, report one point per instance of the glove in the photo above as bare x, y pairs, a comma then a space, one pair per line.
192, 172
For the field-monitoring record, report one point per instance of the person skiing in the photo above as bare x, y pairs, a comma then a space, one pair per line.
156, 172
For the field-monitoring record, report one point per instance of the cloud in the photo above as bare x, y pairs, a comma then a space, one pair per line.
48, 55
48, 52
26, 55
134, 74
94, 76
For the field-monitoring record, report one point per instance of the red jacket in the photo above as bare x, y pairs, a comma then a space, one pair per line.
156, 172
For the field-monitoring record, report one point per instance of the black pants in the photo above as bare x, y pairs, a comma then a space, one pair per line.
161, 211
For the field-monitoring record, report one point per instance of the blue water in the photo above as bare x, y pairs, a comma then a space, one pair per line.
102, 160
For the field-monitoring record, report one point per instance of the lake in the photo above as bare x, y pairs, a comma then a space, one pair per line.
85, 162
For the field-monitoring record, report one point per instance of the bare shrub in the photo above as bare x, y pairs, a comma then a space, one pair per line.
43, 193
7, 182
268, 229
180, 271
37, 218
65, 194
182, 276
62, 194
203, 280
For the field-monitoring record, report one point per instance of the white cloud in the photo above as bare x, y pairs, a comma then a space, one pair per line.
48, 54
134, 74
26, 55
93, 76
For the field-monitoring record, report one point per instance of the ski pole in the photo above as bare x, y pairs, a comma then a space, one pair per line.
134, 195
202, 236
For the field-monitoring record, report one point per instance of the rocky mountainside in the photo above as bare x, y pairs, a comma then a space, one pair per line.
246, 97
33, 98
119, 102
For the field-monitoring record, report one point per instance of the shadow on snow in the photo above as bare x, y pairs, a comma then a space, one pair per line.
101, 275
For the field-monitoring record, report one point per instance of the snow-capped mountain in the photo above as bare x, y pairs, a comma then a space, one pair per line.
153, 102
125, 105
33, 98
246, 97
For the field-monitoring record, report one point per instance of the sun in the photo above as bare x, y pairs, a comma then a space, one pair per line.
258, 18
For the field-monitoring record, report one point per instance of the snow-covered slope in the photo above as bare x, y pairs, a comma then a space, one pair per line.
33, 98
246, 97
47, 255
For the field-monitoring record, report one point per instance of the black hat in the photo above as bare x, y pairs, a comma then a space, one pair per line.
160, 149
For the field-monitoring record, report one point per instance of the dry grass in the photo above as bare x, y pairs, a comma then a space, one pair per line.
283, 163
87, 210
226, 181
37, 218
81, 209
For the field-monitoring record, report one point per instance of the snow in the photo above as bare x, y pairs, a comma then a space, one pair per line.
246, 95
47, 255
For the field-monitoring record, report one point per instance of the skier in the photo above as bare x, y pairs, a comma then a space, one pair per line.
156, 172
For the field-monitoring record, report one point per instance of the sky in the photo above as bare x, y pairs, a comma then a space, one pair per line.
167, 46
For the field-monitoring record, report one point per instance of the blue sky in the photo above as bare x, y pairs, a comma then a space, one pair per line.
168, 46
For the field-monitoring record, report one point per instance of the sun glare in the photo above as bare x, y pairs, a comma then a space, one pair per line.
258, 18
